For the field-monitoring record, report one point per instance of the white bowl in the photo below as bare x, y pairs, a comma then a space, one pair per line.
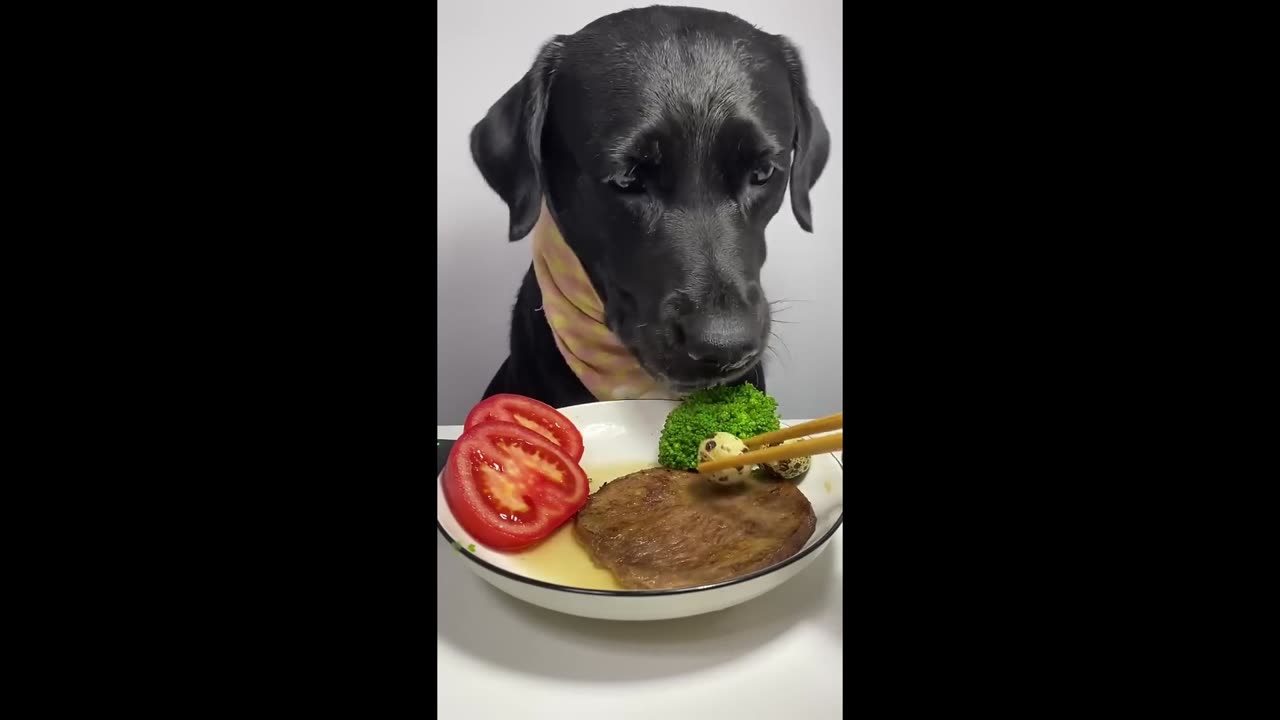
621, 436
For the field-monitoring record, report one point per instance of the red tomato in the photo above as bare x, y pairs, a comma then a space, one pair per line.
529, 413
509, 487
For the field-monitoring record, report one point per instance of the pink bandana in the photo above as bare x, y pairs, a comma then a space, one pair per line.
576, 315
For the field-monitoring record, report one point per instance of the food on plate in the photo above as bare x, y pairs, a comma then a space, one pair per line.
662, 528
513, 480
740, 410
788, 469
532, 415
720, 446
509, 486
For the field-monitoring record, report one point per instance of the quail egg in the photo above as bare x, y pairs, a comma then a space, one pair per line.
788, 469
719, 446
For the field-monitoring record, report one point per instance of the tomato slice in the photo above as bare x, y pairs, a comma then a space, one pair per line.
529, 413
510, 487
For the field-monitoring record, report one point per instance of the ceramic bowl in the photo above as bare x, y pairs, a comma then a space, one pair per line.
618, 437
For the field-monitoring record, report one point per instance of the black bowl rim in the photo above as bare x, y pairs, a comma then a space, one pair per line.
647, 593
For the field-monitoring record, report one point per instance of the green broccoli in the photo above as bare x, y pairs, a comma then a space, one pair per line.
741, 410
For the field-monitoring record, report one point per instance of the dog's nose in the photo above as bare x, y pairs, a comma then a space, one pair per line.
727, 341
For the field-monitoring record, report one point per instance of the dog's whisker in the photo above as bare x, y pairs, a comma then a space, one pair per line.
776, 356
784, 342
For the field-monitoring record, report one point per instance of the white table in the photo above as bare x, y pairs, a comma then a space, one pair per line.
777, 657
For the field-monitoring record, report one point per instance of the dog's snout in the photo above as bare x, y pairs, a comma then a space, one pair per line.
727, 341
721, 329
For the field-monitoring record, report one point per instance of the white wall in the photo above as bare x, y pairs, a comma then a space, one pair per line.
484, 46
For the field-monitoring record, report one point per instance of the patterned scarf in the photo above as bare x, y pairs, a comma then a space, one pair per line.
576, 316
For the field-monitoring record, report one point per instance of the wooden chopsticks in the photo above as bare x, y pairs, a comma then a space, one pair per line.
804, 448
813, 427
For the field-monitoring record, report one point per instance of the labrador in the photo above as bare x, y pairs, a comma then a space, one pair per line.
661, 140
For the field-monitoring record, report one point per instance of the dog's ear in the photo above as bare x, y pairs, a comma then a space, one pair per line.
812, 143
507, 144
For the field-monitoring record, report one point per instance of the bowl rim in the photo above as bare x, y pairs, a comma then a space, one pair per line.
643, 593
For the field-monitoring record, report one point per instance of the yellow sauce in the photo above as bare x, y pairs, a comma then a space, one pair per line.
561, 559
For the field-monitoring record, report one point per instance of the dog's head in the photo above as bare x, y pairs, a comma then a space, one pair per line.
662, 139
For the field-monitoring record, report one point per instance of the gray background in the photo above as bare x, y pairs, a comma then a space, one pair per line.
484, 47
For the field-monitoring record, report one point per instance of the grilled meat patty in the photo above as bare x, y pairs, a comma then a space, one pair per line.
662, 529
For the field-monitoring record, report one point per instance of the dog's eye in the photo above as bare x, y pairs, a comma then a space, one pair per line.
760, 176
627, 183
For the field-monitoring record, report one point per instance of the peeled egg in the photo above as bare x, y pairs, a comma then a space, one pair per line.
788, 469
719, 446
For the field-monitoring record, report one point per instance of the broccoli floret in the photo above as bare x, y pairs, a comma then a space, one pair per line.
741, 410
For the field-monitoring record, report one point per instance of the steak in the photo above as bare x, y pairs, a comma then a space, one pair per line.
663, 529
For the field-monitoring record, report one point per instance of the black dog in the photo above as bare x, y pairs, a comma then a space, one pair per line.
662, 139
